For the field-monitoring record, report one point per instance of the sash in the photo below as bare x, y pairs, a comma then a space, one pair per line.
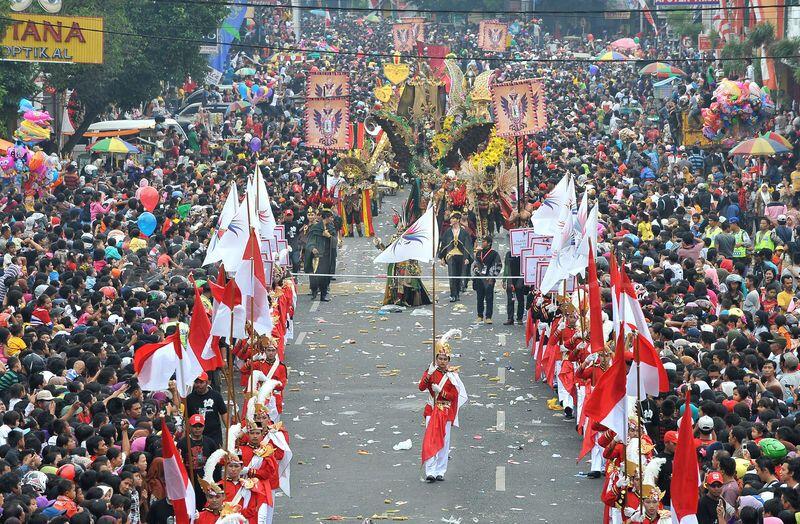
441, 385
274, 368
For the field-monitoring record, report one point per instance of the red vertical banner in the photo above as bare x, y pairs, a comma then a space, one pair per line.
366, 212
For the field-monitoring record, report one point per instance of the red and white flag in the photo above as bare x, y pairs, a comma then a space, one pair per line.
685, 476
200, 340
227, 303
252, 282
596, 338
156, 363
608, 403
179, 488
328, 18
650, 378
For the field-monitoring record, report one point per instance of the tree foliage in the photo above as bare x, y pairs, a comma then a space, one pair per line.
733, 57
136, 67
761, 34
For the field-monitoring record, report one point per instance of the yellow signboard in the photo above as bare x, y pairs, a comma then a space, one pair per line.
53, 38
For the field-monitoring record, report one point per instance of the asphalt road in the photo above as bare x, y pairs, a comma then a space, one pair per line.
353, 395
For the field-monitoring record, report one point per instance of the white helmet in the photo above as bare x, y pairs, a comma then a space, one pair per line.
36, 479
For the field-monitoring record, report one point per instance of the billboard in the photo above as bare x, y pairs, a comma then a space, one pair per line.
53, 38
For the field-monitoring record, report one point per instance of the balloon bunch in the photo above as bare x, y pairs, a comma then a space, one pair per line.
253, 93
742, 105
31, 169
35, 125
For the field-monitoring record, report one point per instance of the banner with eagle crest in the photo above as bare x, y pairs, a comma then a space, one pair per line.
519, 108
327, 123
327, 85
404, 36
493, 36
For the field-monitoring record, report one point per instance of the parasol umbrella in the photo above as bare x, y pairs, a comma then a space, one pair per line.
609, 56
775, 137
246, 71
759, 146
318, 12
114, 145
373, 18
661, 70
625, 44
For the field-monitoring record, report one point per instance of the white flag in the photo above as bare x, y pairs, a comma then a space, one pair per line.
545, 219
563, 258
228, 211
418, 242
231, 245
262, 207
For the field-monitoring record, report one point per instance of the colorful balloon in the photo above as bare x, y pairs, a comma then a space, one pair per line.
255, 144
149, 197
147, 223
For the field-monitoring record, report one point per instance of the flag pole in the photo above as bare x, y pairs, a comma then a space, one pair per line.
180, 376
637, 358
434, 235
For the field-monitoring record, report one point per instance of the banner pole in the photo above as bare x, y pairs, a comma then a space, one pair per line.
519, 193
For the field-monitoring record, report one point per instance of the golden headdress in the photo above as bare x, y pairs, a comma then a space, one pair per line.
443, 344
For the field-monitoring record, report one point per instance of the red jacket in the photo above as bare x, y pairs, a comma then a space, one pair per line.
449, 393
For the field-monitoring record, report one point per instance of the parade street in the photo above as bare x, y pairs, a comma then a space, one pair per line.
353, 383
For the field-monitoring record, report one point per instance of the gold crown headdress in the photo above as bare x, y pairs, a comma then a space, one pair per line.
443, 344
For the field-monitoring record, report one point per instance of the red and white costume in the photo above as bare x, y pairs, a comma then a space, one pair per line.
447, 395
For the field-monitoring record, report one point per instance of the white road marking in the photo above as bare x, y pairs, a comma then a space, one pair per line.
314, 306
501, 374
300, 338
501, 421
501, 339
500, 478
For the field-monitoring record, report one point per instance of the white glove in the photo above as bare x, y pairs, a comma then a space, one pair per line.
551, 307
436, 388
539, 301
591, 359
431, 368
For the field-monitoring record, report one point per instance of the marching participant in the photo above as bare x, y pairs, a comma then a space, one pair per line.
441, 413
215, 498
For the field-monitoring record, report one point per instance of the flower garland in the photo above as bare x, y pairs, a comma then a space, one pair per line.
494, 152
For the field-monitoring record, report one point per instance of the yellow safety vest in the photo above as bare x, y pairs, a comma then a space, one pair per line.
764, 241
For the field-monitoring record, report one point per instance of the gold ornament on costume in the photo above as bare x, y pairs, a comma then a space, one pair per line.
265, 450
396, 73
383, 93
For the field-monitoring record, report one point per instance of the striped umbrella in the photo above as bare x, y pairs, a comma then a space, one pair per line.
609, 56
772, 135
114, 145
759, 146
661, 70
